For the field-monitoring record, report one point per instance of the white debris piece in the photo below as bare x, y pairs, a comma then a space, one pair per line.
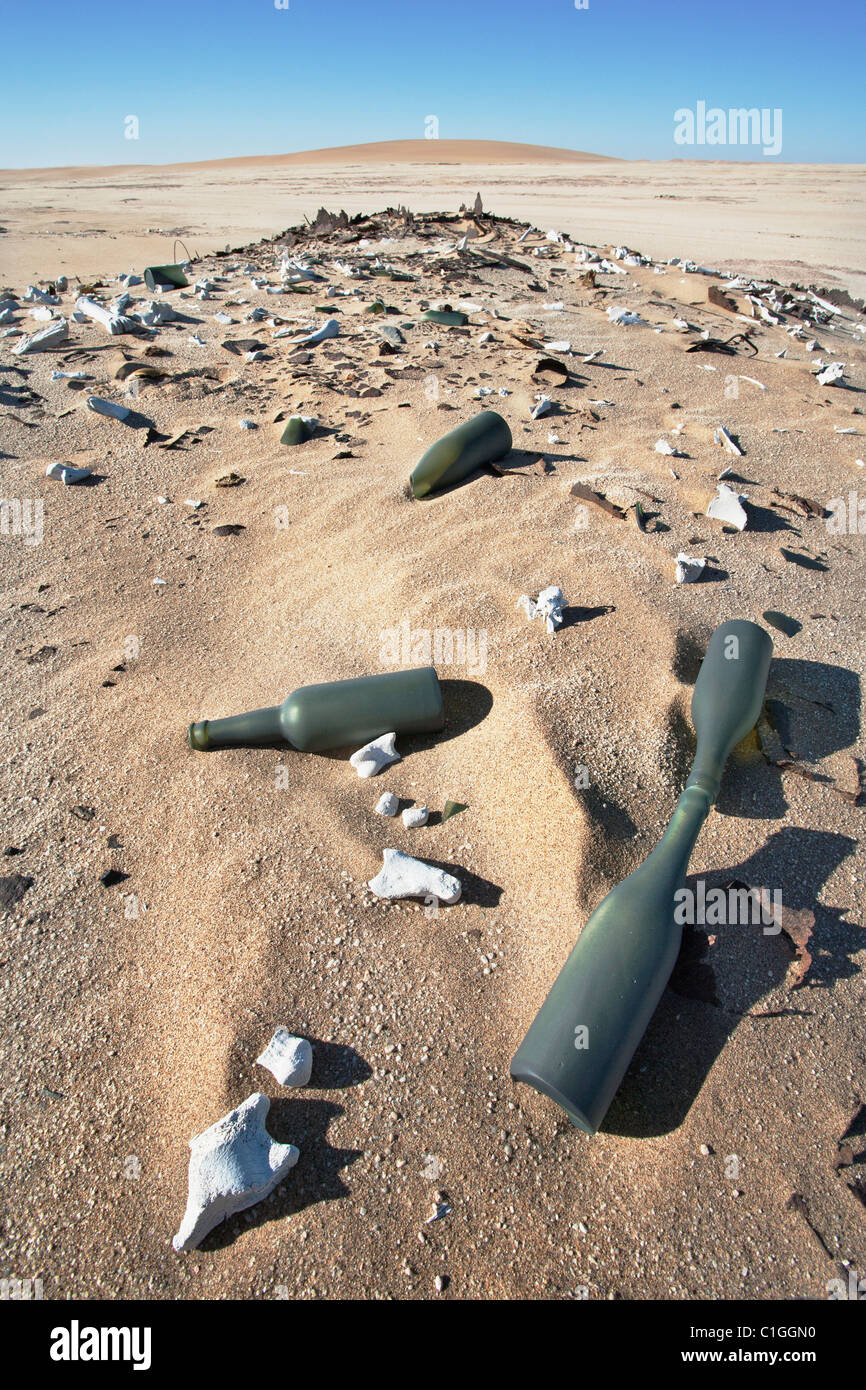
153, 312
36, 296
374, 756
232, 1165
223, 318
831, 374
542, 406
103, 407
68, 376
247, 424
722, 437
561, 345
401, 876
329, 329
593, 356
415, 815
548, 605
617, 313
65, 474
728, 507
387, 805
288, 1058
111, 317
663, 447
484, 390
753, 381
41, 313
51, 336
689, 568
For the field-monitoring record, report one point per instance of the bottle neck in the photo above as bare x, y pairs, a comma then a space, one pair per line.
676, 845
260, 728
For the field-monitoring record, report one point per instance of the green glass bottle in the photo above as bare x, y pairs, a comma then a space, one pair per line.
447, 317
457, 454
339, 714
165, 277
581, 1041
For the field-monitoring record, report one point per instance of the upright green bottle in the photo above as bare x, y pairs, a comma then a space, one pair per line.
339, 714
581, 1041
457, 454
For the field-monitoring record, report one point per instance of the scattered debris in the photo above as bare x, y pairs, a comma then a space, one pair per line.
414, 816
387, 805
722, 437
404, 877
728, 507
288, 1058
46, 338
597, 499
548, 605
109, 408
689, 568
832, 375
375, 756
65, 474
453, 808
232, 1165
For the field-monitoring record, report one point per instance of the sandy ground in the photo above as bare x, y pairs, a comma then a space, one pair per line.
133, 1014
804, 223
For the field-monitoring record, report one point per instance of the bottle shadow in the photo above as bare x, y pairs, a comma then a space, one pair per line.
713, 985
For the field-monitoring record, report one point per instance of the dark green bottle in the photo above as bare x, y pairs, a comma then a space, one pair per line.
339, 714
457, 454
581, 1041
448, 317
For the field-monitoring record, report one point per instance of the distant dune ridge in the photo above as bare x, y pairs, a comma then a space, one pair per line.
378, 152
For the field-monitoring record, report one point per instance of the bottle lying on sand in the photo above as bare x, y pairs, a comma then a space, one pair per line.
453, 457
338, 714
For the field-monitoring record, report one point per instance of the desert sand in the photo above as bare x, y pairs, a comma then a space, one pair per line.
133, 1013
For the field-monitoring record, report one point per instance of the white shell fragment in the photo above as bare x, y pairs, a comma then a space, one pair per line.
722, 437
387, 805
102, 407
66, 475
401, 876
542, 406
288, 1058
548, 605
48, 337
232, 1165
689, 568
728, 507
374, 756
832, 374
415, 815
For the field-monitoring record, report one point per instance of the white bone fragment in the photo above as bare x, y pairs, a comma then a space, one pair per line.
51, 336
36, 296
561, 345
689, 568
831, 374
617, 313
727, 507
401, 876
548, 605
103, 407
722, 437
387, 805
111, 318
288, 1058
232, 1165
66, 475
375, 755
414, 816
329, 329
542, 406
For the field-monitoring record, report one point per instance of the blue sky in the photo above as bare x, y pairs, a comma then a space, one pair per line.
237, 77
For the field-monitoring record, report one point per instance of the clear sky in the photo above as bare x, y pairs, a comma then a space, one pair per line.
214, 78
